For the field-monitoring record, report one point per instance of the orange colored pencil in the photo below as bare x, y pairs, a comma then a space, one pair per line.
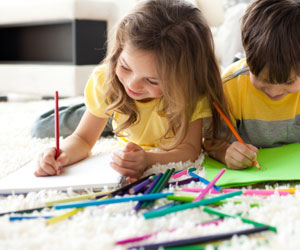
255, 163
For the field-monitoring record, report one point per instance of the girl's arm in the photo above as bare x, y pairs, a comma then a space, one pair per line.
73, 148
81, 142
189, 149
132, 161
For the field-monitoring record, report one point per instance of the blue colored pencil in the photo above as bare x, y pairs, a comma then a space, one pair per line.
218, 188
14, 218
111, 201
171, 204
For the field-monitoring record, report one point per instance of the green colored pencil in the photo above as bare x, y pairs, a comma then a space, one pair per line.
156, 187
221, 214
180, 198
189, 170
183, 198
162, 179
158, 213
165, 180
195, 247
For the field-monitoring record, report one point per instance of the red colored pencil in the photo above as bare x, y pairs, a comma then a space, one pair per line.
56, 125
255, 163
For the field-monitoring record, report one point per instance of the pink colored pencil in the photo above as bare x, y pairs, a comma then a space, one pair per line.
147, 236
179, 174
56, 125
245, 192
209, 186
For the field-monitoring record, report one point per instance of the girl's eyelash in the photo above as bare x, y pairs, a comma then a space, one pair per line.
153, 83
125, 68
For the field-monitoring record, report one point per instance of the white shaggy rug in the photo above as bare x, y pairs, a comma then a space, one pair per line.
100, 228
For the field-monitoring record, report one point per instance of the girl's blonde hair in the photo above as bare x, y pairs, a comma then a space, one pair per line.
177, 33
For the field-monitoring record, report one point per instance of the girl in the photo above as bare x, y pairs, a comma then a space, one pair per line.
157, 82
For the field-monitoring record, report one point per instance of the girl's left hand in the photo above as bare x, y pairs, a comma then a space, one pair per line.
131, 161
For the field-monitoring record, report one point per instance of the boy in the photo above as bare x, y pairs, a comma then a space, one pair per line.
263, 90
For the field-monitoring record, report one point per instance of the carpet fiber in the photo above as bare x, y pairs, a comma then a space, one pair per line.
101, 227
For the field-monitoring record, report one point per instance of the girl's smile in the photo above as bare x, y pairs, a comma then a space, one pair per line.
131, 92
136, 71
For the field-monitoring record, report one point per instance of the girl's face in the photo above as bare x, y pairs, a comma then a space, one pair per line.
276, 91
136, 71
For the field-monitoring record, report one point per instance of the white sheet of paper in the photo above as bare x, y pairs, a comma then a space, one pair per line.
93, 172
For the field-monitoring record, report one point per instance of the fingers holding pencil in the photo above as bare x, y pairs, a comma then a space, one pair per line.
240, 156
47, 164
255, 163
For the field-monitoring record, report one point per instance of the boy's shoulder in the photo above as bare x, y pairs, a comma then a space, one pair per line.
235, 69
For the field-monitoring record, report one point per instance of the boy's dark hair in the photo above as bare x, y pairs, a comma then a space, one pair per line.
271, 38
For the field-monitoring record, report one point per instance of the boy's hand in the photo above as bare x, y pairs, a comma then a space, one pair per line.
131, 161
240, 156
47, 165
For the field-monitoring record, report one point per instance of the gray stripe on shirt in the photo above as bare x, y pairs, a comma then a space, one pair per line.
269, 133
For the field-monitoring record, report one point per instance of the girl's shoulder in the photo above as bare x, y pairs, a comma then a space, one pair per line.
98, 78
97, 82
100, 70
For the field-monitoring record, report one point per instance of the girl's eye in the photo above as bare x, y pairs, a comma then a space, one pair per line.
151, 82
125, 68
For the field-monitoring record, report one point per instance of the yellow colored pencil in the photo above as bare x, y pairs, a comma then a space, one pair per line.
67, 215
291, 190
77, 198
64, 216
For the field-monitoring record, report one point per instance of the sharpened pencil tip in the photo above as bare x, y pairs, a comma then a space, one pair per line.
255, 163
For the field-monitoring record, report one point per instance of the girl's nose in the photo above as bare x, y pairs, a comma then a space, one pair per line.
134, 83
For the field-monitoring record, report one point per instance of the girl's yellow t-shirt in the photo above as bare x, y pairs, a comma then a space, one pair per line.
151, 126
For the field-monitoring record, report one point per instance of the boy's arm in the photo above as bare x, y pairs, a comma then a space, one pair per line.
216, 153
236, 155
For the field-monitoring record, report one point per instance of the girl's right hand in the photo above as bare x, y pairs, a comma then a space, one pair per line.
240, 156
48, 165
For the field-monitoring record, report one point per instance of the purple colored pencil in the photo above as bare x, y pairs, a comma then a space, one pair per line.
152, 185
183, 182
140, 186
199, 240
125, 189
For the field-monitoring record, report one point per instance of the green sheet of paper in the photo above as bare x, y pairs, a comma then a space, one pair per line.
278, 164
